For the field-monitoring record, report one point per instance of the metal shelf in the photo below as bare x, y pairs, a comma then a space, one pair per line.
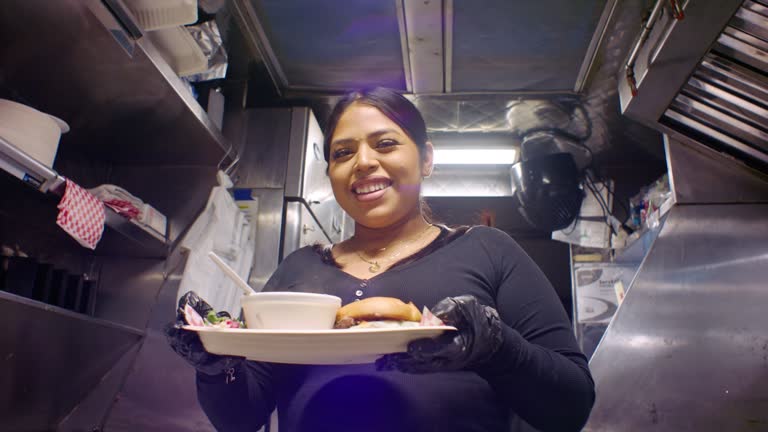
8, 300
53, 358
636, 245
125, 104
44, 179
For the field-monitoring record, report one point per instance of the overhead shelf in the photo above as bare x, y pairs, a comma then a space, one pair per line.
124, 103
128, 111
22, 166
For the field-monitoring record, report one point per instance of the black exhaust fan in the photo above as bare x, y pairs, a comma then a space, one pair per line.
549, 190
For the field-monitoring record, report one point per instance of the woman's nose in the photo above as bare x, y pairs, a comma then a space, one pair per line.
366, 159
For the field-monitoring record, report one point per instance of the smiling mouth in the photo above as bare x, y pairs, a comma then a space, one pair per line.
371, 188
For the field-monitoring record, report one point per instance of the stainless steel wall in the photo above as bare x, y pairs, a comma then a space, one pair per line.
265, 134
265, 155
158, 393
50, 359
687, 350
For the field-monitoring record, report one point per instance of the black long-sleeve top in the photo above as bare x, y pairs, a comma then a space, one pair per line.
539, 378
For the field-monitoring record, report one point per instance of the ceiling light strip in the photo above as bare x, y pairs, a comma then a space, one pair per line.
475, 156
594, 45
424, 25
448, 45
403, 30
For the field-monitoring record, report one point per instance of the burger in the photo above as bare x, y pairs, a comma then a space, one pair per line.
378, 312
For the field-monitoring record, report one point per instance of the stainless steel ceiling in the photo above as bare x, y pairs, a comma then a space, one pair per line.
464, 62
333, 45
501, 45
488, 46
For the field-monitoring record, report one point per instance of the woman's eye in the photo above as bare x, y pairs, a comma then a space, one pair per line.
386, 143
340, 153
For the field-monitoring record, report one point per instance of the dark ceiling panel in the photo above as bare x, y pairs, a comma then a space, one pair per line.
333, 44
521, 45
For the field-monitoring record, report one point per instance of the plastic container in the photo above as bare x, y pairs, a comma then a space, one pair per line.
153, 219
290, 310
161, 14
35, 133
179, 50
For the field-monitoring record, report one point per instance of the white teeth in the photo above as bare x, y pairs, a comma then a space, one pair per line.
370, 188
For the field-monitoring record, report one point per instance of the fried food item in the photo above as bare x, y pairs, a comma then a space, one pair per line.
378, 312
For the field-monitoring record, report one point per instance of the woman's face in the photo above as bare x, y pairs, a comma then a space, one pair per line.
375, 168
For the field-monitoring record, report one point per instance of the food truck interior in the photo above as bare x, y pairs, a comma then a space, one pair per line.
622, 144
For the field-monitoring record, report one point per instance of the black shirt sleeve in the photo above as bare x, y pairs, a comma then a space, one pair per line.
539, 371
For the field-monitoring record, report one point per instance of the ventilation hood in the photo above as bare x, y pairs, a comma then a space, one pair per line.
701, 74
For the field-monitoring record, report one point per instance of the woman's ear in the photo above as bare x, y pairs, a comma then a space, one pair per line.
427, 160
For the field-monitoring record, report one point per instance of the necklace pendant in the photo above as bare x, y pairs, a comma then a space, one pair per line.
374, 267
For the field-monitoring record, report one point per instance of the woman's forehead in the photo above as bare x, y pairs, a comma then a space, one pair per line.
359, 120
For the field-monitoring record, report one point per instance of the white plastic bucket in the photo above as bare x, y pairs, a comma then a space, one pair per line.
34, 132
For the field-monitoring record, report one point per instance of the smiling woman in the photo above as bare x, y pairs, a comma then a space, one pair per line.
376, 168
513, 360
378, 155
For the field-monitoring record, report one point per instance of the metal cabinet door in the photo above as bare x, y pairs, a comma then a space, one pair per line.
331, 217
301, 229
306, 174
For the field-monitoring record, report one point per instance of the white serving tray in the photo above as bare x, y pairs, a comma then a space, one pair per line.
319, 347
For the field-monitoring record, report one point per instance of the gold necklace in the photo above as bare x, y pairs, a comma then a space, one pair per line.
374, 264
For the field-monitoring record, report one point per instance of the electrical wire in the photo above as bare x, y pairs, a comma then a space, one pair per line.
589, 182
624, 207
623, 224
579, 141
573, 226
593, 166
603, 206
598, 197
600, 178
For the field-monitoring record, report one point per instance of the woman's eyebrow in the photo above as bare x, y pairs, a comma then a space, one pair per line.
381, 132
374, 134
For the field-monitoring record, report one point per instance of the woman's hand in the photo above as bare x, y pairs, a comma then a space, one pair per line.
187, 343
479, 336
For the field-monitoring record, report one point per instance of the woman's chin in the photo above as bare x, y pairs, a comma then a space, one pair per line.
379, 217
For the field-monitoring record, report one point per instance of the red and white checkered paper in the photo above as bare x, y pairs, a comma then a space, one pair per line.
81, 215
123, 207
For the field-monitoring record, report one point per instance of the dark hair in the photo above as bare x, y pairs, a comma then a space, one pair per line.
392, 104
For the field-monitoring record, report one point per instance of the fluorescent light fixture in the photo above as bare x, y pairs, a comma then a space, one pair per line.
475, 156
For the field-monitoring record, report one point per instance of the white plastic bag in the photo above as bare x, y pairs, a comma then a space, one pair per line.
223, 229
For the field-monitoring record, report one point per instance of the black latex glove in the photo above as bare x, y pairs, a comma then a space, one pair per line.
479, 337
187, 343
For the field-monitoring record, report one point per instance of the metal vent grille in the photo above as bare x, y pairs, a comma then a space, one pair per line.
724, 104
